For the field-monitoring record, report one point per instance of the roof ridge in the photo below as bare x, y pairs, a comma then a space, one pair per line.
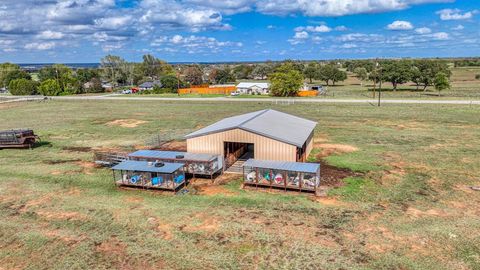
253, 117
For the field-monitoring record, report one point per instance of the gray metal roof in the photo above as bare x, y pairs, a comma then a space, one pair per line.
142, 166
269, 123
172, 155
283, 165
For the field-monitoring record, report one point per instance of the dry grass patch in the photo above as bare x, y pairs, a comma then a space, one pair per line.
126, 123
328, 149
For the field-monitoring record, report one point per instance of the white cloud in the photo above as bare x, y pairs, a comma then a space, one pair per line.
113, 23
341, 28
335, 7
423, 30
193, 43
440, 36
458, 27
301, 35
455, 14
316, 29
400, 25
348, 46
50, 35
41, 46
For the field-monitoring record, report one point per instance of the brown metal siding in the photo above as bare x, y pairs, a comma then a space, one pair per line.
309, 145
265, 148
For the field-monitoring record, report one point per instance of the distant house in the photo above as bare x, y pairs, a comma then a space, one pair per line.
253, 88
107, 86
149, 85
88, 85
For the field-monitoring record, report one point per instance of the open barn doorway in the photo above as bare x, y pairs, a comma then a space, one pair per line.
235, 152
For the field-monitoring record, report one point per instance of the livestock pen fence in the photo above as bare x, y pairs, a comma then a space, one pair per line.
297, 176
208, 90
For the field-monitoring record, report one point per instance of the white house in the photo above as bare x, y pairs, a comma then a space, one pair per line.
253, 88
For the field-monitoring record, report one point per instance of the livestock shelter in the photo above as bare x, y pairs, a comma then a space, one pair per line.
264, 135
195, 164
296, 176
149, 175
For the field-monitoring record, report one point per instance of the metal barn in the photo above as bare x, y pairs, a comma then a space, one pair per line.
263, 135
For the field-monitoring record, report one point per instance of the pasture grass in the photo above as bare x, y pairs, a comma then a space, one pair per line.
409, 208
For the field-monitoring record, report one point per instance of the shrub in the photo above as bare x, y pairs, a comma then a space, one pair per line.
50, 87
22, 87
95, 86
477, 76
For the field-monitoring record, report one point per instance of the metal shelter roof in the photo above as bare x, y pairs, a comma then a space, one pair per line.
172, 155
283, 165
252, 84
142, 166
273, 124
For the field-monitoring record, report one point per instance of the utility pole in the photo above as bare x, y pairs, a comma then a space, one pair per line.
380, 87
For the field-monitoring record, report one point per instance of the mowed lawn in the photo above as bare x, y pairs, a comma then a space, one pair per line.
410, 205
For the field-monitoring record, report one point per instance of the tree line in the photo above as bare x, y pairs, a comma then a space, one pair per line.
59, 79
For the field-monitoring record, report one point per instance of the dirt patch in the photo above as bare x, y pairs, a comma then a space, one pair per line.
113, 247
126, 123
207, 224
206, 187
331, 176
134, 199
416, 213
173, 146
69, 239
87, 166
166, 231
328, 149
61, 215
329, 201
53, 162
77, 149
212, 190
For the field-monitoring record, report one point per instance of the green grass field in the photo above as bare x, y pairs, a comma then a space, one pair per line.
409, 205
463, 86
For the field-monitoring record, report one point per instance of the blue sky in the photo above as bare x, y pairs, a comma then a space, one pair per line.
34, 31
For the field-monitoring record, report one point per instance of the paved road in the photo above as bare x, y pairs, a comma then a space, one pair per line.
269, 100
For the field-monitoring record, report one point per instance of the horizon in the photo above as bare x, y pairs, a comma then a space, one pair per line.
191, 31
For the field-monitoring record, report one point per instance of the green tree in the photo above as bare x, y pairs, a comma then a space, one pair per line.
155, 68
427, 71
22, 87
50, 87
193, 75
64, 76
329, 73
84, 75
338, 76
286, 81
261, 71
441, 82
397, 72
95, 86
242, 71
362, 74
111, 67
10, 72
222, 76
311, 71
171, 82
